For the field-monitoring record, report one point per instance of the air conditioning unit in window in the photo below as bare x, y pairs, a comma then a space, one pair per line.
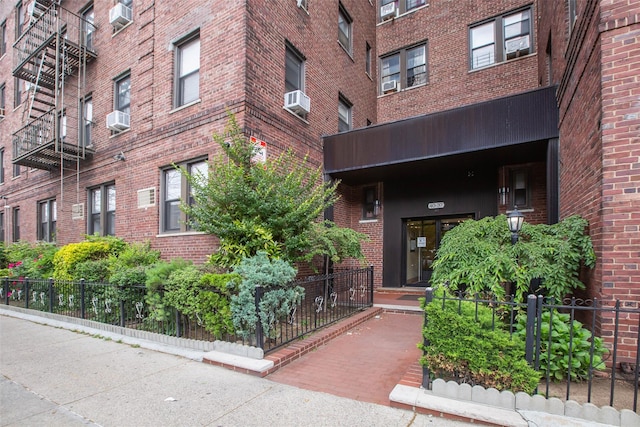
1, 113
517, 47
389, 86
297, 102
120, 15
388, 11
118, 121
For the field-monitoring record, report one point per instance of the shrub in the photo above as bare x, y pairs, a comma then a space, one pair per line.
557, 361
156, 277
93, 271
65, 260
34, 261
468, 350
275, 276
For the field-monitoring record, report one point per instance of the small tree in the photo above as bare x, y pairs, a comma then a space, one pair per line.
253, 207
480, 256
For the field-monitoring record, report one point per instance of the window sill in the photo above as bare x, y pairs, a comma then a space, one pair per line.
113, 135
293, 113
180, 234
182, 107
402, 15
119, 30
349, 53
495, 64
368, 221
403, 90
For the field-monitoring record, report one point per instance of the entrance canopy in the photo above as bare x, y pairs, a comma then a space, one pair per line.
515, 128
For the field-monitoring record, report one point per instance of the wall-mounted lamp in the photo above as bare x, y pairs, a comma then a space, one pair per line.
515, 220
119, 156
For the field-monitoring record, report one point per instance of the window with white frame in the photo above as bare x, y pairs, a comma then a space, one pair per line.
399, 7
102, 210
175, 189
500, 39
47, 218
87, 122
294, 69
88, 26
344, 114
122, 96
187, 84
62, 126
404, 69
345, 28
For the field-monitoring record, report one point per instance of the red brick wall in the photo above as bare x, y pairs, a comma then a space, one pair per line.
445, 26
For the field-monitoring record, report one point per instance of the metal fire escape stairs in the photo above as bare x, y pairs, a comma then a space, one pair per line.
51, 56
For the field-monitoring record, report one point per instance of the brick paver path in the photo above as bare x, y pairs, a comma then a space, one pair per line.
364, 363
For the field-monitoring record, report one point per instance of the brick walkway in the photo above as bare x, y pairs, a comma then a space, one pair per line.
365, 361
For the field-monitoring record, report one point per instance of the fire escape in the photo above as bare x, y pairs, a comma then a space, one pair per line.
51, 57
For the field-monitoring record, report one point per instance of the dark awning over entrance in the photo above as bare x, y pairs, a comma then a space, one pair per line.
488, 131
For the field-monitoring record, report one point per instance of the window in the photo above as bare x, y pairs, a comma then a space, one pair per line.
370, 203
16, 170
294, 69
573, 14
367, 59
123, 94
175, 188
17, 92
408, 67
303, 4
87, 122
2, 106
2, 227
344, 114
520, 188
503, 38
128, 3
102, 210
401, 6
345, 24
19, 20
3, 38
47, 220
16, 224
2, 165
188, 71
89, 26
62, 126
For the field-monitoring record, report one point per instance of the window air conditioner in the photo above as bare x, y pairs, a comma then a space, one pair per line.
118, 121
518, 46
297, 102
1, 113
120, 15
388, 11
389, 86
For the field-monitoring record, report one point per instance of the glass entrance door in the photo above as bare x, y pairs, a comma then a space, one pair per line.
422, 239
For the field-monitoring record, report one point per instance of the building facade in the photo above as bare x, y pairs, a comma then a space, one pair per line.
429, 112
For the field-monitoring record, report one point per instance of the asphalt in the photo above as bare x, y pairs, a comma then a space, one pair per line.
53, 376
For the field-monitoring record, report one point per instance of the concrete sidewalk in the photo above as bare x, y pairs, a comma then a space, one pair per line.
57, 377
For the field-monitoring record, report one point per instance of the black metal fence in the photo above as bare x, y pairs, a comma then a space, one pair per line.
327, 299
616, 322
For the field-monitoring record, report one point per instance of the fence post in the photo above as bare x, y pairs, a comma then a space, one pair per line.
26, 292
530, 327
371, 285
6, 291
50, 294
178, 325
121, 304
259, 331
82, 295
426, 375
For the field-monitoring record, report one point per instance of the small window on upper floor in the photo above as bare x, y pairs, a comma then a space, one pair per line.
87, 122
500, 39
345, 119
345, 28
404, 69
121, 14
3, 38
2, 105
187, 84
20, 19
295, 99
88, 26
120, 119
2, 165
391, 8
367, 59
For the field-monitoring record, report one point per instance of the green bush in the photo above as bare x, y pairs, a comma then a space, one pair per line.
557, 361
157, 277
34, 261
93, 271
275, 277
66, 258
468, 350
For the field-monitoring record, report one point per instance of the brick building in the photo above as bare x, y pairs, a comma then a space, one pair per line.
429, 112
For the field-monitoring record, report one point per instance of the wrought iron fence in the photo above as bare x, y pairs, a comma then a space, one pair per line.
617, 323
326, 299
